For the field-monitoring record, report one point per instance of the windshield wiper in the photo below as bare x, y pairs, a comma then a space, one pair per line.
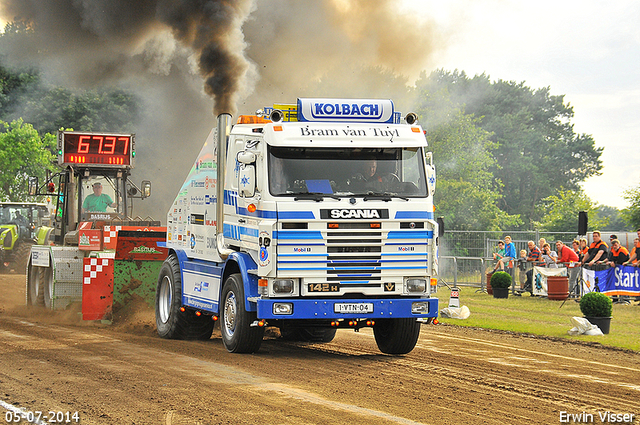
315, 196
386, 196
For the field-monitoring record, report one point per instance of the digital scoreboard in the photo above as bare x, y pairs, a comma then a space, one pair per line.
96, 149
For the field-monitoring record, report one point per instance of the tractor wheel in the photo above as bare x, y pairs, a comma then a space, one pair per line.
35, 285
396, 336
238, 336
322, 335
47, 281
170, 321
22, 256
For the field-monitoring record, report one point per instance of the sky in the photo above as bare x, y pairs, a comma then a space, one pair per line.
588, 51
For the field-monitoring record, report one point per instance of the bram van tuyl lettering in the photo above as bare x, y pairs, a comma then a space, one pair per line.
601, 417
374, 132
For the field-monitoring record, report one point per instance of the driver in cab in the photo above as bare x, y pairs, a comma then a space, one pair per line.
97, 201
372, 180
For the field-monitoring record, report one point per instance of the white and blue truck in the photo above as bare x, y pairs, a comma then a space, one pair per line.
309, 217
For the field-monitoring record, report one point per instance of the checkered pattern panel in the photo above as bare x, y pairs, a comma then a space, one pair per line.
95, 266
110, 233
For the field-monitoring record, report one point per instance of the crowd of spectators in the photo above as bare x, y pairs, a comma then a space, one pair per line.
597, 255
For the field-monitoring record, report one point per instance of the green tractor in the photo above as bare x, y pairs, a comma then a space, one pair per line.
22, 224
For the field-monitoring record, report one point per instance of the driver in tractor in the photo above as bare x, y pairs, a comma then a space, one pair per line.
22, 223
97, 201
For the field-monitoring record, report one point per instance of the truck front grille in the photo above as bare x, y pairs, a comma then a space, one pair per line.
360, 259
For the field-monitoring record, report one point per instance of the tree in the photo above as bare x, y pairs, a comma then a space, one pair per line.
631, 215
561, 212
467, 193
22, 154
91, 110
537, 151
616, 221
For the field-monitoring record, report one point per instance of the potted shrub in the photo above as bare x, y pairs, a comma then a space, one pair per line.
500, 282
597, 308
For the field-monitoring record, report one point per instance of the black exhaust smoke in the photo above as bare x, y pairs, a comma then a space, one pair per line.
105, 39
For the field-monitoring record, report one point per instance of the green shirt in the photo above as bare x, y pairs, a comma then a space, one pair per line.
95, 203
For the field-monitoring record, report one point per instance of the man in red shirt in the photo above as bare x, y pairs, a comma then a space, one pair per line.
565, 254
569, 258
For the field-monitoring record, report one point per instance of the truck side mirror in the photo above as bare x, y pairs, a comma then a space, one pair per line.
245, 157
440, 221
33, 186
247, 181
146, 188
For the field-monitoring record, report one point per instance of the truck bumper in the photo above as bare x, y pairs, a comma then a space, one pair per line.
348, 308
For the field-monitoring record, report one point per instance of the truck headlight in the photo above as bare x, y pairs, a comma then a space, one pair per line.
282, 308
416, 285
283, 286
420, 307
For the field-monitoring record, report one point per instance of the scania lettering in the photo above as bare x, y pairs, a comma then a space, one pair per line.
318, 216
354, 214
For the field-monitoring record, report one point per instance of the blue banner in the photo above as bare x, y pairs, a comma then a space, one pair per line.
621, 280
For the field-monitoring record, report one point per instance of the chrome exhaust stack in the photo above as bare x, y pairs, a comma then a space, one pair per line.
222, 138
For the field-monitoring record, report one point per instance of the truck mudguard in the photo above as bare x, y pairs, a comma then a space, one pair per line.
250, 281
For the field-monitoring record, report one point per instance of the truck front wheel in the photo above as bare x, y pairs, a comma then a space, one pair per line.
238, 336
170, 321
396, 336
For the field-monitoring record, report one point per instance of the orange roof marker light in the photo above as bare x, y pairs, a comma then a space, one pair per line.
252, 119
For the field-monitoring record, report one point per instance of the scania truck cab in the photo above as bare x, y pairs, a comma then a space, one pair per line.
317, 218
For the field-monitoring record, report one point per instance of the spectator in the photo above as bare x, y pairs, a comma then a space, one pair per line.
522, 266
509, 252
611, 238
565, 254
541, 243
570, 258
584, 248
575, 246
499, 256
618, 254
534, 257
633, 255
597, 250
549, 257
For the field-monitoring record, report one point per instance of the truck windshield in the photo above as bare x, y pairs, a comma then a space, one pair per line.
347, 172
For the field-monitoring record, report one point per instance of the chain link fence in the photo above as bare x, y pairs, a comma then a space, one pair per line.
465, 256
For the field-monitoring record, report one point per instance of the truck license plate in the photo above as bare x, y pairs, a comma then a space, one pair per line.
353, 308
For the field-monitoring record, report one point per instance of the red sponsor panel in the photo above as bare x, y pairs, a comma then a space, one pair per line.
141, 245
111, 233
90, 239
97, 288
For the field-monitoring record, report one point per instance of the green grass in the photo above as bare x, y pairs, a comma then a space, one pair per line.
540, 316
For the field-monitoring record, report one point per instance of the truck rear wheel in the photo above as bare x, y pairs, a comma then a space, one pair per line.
170, 321
396, 336
238, 336
322, 335
35, 285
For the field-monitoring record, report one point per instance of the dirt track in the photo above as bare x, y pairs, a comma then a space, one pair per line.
125, 374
